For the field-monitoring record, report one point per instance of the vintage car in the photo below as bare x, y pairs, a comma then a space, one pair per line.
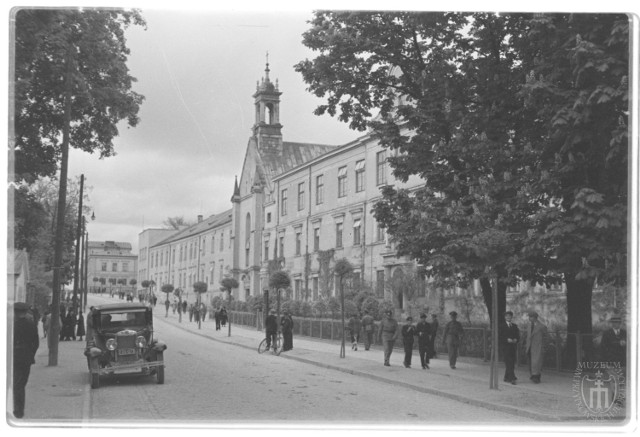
120, 341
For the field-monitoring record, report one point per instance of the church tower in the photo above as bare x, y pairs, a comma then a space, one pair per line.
267, 128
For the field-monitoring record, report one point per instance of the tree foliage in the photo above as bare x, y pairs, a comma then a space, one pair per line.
517, 124
228, 284
90, 45
279, 280
177, 222
200, 287
167, 288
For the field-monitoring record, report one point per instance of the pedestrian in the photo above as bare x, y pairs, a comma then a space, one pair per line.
286, 324
25, 345
453, 335
423, 331
387, 334
354, 331
271, 328
223, 316
89, 330
80, 330
191, 313
70, 322
36, 314
511, 336
613, 345
196, 314
434, 331
534, 346
203, 312
167, 304
184, 307
408, 332
368, 327
217, 318
45, 323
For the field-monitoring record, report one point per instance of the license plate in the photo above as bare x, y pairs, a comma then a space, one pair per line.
126, 351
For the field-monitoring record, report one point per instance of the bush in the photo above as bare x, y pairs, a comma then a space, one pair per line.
305, 309
372, 305
295, 307
319, 308
385, 305
217, 302
333, 306
350, 308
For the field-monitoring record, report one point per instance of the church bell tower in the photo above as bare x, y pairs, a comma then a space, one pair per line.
267, 128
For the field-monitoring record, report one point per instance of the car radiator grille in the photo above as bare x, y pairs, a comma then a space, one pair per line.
126, 343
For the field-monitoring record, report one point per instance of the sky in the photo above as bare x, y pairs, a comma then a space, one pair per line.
197, 70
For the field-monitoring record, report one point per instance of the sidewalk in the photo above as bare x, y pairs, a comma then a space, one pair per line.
550, 401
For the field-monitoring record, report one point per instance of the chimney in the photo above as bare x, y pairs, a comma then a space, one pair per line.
199, 218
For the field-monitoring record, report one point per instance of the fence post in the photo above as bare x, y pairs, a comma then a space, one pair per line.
578, 347
331, 329
558, 354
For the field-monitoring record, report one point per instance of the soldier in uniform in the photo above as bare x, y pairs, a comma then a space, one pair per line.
408, 332
453, 334
25, 345
423, 331
368, 327
388, 333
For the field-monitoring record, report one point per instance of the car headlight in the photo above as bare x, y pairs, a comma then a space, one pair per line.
111, 344
141, 341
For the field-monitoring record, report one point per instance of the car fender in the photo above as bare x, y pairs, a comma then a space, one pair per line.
159, 346
93, 352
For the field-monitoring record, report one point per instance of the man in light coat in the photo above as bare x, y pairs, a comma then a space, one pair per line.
534, 346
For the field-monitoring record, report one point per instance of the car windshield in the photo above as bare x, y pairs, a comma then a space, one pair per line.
123, 319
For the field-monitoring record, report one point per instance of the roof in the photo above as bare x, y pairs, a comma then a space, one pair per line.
206, 224
110, 245
293, 155
121, 306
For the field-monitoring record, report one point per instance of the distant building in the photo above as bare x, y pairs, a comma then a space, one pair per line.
111, 264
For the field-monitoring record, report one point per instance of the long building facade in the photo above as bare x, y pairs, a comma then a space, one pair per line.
299, 207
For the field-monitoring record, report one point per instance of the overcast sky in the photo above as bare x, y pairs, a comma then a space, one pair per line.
197, 70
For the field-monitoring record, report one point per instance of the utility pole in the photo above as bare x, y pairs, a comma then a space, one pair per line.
76, 274
62, 200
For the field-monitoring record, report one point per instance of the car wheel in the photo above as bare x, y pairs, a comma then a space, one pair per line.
160, 369
94, 368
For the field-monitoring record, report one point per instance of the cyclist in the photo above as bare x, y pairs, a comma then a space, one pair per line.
272, 329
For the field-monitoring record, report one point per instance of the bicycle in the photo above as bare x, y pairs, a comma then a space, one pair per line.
277, 348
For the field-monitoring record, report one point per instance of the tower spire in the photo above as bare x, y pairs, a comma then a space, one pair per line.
266, 70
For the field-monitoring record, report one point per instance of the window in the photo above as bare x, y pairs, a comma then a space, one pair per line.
266, 250
338, 235
314, 287
381, 174
281, 248
316, 239
157, 260
297, 288
300, 196
173, 256
319, 189
125, 267
380, 283
161, 258
268, 217
246, 257
114, 267
356, 232
213, 243
104, 267
283, 205
298, 243
379, 233
221, 242
360, 176
342, 181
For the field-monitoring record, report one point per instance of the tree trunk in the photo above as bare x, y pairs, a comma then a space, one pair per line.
579, 293
485, 285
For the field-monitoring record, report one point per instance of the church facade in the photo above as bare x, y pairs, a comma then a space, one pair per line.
296, 206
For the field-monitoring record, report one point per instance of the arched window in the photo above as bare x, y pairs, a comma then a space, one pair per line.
268, 113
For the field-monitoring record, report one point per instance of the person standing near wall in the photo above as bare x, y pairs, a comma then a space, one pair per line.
534, 346
25, 345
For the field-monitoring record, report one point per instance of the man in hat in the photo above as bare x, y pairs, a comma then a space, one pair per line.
388, 333
614, 343
367, 328
453, 335
423, 331
408, 332
510, 335
25, 345
434, 331
534, 346
287, 331
271, 325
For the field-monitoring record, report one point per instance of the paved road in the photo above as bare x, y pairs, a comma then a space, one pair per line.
212, 382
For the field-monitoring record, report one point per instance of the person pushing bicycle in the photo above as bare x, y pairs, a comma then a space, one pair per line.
272, 329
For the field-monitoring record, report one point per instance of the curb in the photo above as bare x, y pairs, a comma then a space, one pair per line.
483, 404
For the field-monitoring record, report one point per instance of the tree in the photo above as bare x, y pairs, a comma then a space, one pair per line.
518, 123
176, 223
167, 289
72, 89
342, 269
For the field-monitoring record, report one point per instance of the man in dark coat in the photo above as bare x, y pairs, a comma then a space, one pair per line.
80, 330
368, 328
614, 343
510, 337
25, 345
423, 331
408, 331
217, 317
453, 334
271, 325
287, 331
432, 341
